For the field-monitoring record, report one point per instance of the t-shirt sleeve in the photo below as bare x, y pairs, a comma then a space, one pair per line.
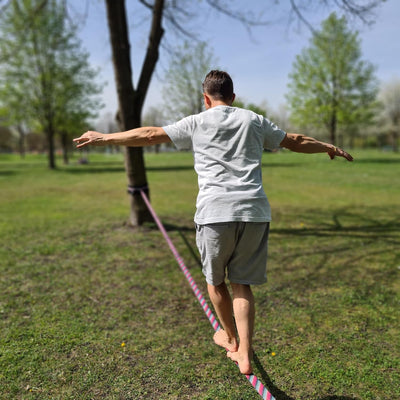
273, 135
181, 133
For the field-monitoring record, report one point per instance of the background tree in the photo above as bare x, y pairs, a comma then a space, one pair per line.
179, 17
390, 98
44, 74
182, 91
6, 139
330, 85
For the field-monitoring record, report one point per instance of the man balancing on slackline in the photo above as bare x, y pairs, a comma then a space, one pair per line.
233, 213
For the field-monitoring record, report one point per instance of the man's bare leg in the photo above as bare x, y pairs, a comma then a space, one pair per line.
222, 302
244, 311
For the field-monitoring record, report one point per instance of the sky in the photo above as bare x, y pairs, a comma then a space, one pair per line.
259, 62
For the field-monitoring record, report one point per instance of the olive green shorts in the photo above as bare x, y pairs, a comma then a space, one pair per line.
238, 249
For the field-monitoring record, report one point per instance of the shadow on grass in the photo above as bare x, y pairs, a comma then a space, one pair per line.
342, 233
93, 170
281, 395
8, 173
102, 168
190, 246
376, 230
281, 165
378, 161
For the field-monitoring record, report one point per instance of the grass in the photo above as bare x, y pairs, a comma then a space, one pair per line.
91, 309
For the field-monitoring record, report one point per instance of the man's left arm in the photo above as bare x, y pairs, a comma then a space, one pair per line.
304, 144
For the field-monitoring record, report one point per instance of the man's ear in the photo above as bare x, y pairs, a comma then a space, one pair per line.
233, 97
207, 101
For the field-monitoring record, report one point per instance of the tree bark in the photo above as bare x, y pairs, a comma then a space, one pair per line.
332, 127
64, 144
50, 145
21, 141
130, 101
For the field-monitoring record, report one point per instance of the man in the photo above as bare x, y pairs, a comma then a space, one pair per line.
232, 211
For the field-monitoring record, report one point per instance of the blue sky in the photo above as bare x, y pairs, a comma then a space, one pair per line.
259, 64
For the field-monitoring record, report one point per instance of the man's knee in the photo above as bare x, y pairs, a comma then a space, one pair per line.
240, 290
216, 289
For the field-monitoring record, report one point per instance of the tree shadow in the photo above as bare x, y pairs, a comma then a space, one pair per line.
281, 165
101, 168
379, 161
169, 168
94, 170
366, 224
7, 172
189, 245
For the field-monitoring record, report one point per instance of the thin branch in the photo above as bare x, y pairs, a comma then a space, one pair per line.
169, 16
301, 16
146, 4
226, 9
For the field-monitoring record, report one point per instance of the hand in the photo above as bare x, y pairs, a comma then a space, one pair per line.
335, 151
90, 137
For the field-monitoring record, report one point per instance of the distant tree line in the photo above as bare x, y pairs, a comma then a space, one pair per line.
46, 83
170, 17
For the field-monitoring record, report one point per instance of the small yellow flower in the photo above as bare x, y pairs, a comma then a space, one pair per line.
273, 354
123, 344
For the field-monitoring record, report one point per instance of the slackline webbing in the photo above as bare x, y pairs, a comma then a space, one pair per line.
254, 381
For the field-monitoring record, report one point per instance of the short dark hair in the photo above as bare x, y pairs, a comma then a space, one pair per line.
218, 85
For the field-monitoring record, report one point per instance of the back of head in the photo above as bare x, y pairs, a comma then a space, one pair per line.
218, 85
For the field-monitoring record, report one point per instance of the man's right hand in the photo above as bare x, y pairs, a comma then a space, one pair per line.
90, 138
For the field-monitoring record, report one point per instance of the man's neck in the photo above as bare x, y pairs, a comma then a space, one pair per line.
215, 103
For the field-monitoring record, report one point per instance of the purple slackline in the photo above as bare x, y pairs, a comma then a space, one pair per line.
254, 381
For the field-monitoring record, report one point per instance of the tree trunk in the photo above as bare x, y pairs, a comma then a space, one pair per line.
332, 127
50, 146
130, 101
21, 141
64, 144
395, 141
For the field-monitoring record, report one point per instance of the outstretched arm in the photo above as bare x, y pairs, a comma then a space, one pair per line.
145, 136
305, 144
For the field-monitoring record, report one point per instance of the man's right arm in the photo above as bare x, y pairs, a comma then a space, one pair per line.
139, 137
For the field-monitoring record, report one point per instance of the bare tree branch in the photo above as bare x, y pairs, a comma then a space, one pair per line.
146, 4
300, 15
156, 33
363, 12
247, 20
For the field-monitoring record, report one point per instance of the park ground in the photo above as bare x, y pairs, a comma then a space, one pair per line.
93, 309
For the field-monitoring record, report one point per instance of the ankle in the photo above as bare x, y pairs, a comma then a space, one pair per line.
245, 349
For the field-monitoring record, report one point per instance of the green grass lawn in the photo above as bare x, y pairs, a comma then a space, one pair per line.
92, 309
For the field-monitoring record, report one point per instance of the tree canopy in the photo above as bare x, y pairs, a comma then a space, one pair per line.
330, 85
390, 98
182, 91
46, 81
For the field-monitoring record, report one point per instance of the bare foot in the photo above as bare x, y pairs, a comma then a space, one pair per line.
243, 359
222, 339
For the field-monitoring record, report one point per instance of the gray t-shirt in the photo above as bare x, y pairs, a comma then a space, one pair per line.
227, 144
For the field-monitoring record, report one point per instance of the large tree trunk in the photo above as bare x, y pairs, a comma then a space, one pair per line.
50, 145
131, 101
64, 144
21, 141
332, 128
